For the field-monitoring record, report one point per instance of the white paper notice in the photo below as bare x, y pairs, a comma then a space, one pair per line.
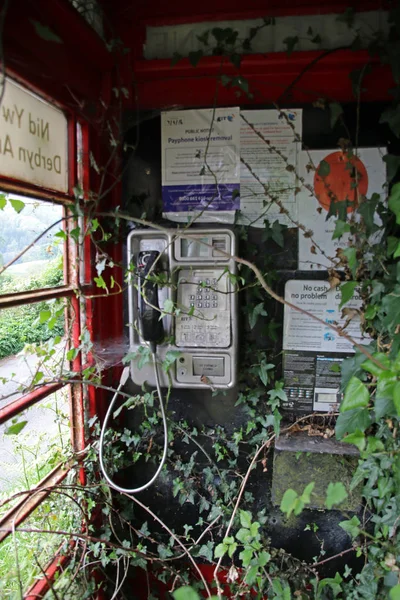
200, 164
301, 332
268, 166
313, 209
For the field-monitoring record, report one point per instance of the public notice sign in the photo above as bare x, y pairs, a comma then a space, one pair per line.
200, 163
312, 350
33, 139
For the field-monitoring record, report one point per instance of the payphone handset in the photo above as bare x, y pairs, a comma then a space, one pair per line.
197, 267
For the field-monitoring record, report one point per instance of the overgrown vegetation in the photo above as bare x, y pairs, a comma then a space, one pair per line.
213, 471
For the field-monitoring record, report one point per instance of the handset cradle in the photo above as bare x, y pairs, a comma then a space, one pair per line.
150, 325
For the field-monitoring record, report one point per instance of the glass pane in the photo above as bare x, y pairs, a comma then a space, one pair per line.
22, 220
33, 443
32, 347
25, 555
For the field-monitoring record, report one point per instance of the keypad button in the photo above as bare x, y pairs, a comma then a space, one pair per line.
207, 289
192, 296
215, 304
206, 305
207, 281
207, 296
214, 281
199, 297
199, 305
192, 304
215, 297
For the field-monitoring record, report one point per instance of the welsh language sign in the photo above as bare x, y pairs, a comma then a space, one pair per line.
33, 139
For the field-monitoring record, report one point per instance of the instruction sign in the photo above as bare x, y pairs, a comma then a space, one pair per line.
33, 139
200, 162
312, 350
269, 145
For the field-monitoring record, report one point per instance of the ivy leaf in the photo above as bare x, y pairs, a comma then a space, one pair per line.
391, 306
335, 494
225, 80
176, 57
351, 526
324, 168
336, 111
288, 502
276, 233
357, 438
290, 44
372, 367
347, 17
392, 165
351, 255
15, 428
236, 60
316, 39
394, 201
347, 291
396, 397
45, 32
17, 205
185, 593
44, 315
355, 396
391, 116
255, 313
341, 227
168, 306
195, 56
367, 210
245, 519
3, 201
263, 371
394, 593
351, 420
170, 358
246, 556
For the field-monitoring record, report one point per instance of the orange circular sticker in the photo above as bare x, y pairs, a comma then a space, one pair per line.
346, 179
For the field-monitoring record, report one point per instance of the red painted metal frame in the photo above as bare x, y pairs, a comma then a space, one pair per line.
27, 400
41, 587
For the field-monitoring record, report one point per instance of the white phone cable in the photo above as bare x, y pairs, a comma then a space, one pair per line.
122, 381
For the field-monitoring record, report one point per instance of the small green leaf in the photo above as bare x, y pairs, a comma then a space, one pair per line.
185, 593
255, 313
394, 593
235, 59
391, 116
351, 420
306, 495
394, 201
335, 494
3, 201
324, 168
168, 306
225, 80
170, 358
356, 395
351, 255
61, 234
246, 556
288, 502
290, 44
392, 165
373, 368
17, 205
357, 438
15, 428
245, 519
341, 227
396, 397
347, 291
220, 550
195, 56
99, 281
335, 109
176, 57
351, 526
44, 316
45, 32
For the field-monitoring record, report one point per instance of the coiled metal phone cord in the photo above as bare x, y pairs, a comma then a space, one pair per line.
123, 380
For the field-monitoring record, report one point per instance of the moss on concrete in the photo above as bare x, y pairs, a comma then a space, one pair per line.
297, 469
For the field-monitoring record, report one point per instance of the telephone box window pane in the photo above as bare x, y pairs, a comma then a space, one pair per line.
22, 220
33, 443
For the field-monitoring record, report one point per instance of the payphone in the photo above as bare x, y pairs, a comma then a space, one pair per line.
194, 312
182, 297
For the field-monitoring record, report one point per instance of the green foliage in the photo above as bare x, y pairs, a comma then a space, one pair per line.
294, 502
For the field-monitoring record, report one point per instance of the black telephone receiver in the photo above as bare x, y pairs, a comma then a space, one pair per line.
151, 326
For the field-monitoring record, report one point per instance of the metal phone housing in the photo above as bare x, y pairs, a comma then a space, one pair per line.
196, 266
